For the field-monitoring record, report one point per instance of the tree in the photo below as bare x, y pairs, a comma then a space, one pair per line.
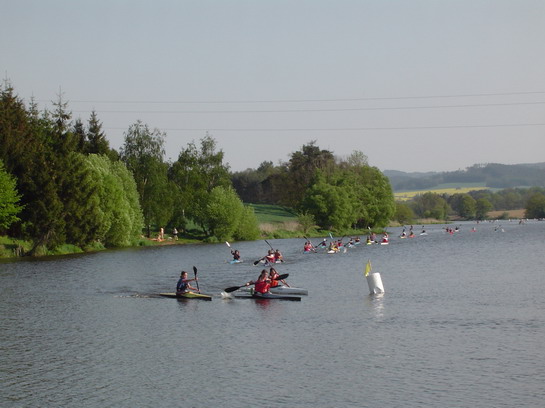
193, 176
482, 207
301, 170
404, 214
9, 199
535, 206
143, 153
467, 207
430, 205
119, 217
330, 205
97, 142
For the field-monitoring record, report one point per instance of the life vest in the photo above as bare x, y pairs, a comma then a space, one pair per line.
262, 286
274, 282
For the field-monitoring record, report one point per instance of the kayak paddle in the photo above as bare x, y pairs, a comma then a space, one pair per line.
196, 281
233, 288
269, 245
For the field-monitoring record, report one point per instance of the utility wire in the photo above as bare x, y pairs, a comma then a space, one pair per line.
304, 100
317, 110
344, 129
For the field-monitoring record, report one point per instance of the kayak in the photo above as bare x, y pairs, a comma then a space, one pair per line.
262, 296
235, 261
187, 295
279, 290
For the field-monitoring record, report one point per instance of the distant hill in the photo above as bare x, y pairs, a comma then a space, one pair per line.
491, 175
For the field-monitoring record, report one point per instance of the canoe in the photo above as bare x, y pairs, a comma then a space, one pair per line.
279, 290
187, 295
268, 296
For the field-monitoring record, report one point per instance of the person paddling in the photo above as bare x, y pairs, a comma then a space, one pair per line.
273, 277
262, 284
236, 255
183, 284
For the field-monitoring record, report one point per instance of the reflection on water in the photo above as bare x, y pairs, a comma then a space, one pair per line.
461, 324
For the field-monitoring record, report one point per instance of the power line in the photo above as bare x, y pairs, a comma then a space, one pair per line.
344, 129
316, 110
303, 100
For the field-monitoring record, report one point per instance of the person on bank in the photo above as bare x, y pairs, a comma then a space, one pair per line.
183, 285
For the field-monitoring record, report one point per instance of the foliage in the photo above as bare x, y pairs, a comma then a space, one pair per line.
9, 199
306, 221
404, 214
248, 227
143, 153
429, 205
193, 177
119, 215
482, 207
535, 207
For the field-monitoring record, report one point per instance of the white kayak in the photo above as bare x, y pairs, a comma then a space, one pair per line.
279, 290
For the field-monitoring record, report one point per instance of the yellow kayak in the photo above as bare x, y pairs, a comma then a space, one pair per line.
187, 295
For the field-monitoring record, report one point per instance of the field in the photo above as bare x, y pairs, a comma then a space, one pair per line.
442, 189
272, 214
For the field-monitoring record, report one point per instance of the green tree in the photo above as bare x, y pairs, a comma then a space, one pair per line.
404, 214
482, 207
535, 206
301, 170
330, 205
143, 153
193, 176
467, 207
430, 205
248, 227
118, 216
9, 199
222, 213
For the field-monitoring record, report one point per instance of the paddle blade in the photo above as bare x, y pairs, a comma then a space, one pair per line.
227, 243
281, 277
256, 262
195, 271
232, 289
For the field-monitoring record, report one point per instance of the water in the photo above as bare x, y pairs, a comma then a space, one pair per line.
462, 324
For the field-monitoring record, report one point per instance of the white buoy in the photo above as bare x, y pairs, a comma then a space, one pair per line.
373, 280
375, 283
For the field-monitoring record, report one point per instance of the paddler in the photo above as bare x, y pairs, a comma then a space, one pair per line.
183, 284
278, 256
273, 275
262, 284
236, 255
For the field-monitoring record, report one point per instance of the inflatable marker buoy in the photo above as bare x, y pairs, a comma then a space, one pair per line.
374, 281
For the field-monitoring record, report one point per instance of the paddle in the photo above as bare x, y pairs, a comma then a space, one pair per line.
269, 245
233, 288
227, 243
259, 260
196, 281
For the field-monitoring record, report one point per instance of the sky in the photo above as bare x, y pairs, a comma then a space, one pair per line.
416, 85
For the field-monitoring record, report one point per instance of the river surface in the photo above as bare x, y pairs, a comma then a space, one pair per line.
462, 324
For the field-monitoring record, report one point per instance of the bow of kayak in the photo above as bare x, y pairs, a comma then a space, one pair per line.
187, 295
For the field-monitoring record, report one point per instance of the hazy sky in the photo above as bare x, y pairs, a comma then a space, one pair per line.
415, 85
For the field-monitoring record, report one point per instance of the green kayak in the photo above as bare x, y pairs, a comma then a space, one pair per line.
187, 295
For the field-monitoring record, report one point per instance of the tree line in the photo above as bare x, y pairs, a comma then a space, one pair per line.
491, 175
472, 205
60, 182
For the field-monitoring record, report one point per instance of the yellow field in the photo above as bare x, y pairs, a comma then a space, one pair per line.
407, 195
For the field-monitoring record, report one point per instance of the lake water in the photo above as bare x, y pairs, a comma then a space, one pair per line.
462, 324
